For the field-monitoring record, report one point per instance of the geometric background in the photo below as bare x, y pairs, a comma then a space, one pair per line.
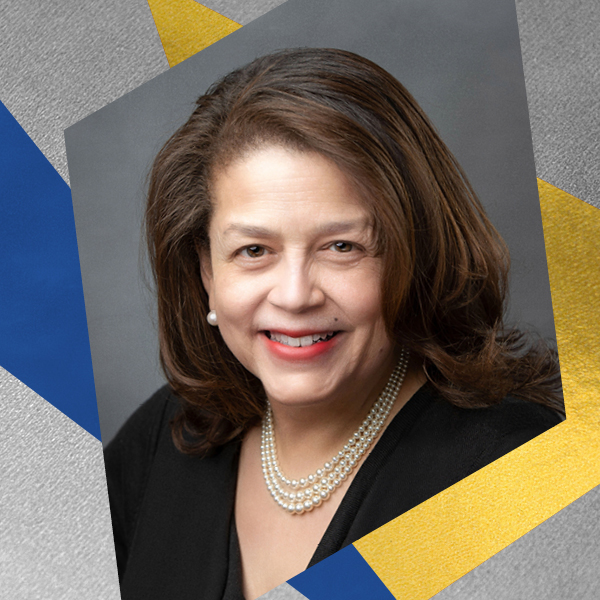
63, 62
469, 81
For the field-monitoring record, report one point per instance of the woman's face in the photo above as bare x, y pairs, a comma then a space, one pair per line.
293, 278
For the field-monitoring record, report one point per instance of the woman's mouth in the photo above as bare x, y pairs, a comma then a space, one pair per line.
302, 346
301, 341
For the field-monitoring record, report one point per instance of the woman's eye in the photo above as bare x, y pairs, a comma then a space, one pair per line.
342, 246
253, 251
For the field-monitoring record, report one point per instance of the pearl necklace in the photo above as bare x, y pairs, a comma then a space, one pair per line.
299, 496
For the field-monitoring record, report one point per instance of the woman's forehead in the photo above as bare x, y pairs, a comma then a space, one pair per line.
276, 184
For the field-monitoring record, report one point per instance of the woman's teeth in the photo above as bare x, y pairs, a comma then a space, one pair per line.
305, 340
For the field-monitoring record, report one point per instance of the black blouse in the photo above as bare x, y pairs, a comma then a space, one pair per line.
173, 518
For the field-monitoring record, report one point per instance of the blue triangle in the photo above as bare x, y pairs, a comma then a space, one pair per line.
345, 575
43, 330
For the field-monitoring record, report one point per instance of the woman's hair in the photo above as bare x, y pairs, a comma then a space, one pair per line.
445, 267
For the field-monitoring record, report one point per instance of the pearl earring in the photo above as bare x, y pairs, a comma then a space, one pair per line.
211, 317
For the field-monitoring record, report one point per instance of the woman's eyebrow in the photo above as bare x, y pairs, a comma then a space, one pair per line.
343, 226
330, 228
248, 230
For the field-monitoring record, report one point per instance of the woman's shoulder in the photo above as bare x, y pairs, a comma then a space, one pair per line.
516, 413
513, 415
141, 430
128, 460
129, 455
510, 414
514, 422
493, 431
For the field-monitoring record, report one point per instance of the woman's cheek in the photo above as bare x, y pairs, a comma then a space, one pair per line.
359, 293
236, 303
234, 289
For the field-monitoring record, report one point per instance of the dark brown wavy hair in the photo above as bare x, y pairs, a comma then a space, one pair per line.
444, 281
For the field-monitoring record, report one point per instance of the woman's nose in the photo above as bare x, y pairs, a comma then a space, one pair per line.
295, 287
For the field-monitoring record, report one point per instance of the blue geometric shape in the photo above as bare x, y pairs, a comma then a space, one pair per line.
43, 330
345, 575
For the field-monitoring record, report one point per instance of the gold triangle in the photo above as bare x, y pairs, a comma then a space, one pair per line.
186, 27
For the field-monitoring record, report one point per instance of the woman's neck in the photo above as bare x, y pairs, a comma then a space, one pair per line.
308, 436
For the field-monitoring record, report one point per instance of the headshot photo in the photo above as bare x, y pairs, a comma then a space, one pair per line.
307, 316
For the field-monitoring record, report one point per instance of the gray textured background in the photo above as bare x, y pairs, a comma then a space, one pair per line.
561, 59
283, 592
242, 11
460, 59
51, 468
55, 526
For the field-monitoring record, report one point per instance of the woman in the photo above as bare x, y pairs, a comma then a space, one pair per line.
330, 298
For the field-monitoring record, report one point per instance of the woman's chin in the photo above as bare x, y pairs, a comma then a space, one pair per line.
296, 396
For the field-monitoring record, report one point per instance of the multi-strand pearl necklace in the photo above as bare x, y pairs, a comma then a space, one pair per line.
302, 495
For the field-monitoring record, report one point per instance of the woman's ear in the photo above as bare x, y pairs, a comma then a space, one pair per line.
205, 269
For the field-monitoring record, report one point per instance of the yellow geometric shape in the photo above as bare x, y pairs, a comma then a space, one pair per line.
428, 548
572, 234
186, 27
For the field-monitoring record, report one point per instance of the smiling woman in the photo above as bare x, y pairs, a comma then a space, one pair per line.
330, 298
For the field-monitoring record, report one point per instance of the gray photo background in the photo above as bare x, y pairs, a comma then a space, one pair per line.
60, 63
460, 59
